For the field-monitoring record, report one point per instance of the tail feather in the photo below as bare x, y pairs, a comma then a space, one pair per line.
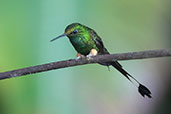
141, 88
144, 91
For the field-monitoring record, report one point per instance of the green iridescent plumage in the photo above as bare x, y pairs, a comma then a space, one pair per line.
84, 39
81, 38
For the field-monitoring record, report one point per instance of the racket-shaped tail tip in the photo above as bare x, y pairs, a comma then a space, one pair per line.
144, 91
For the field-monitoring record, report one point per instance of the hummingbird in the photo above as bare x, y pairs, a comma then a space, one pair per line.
87, 43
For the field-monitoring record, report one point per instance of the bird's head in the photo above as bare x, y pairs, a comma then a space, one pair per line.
73, 30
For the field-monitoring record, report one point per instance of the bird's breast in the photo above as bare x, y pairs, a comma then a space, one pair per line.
82, 45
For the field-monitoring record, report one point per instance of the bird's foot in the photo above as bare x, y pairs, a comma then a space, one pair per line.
79, 56
93, 52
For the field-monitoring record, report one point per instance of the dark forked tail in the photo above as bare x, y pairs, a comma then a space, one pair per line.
141, 88
102, 50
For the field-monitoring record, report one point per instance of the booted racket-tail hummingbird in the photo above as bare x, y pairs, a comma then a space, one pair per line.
87, 43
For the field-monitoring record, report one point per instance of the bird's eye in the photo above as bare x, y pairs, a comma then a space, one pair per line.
75, 31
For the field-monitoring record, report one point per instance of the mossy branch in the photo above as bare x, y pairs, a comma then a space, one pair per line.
83, 61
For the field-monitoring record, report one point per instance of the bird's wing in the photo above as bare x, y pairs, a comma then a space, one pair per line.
99, 43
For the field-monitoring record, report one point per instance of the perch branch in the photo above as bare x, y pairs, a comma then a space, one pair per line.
82, 61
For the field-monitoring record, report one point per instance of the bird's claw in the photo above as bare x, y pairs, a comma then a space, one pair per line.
79, 56
92, 53
89, 56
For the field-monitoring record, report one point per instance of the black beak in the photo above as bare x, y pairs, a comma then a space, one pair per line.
58, 37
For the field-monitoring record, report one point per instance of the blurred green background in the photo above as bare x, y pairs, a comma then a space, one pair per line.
26, 28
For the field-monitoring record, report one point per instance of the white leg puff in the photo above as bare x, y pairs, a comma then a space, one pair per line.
93, 52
